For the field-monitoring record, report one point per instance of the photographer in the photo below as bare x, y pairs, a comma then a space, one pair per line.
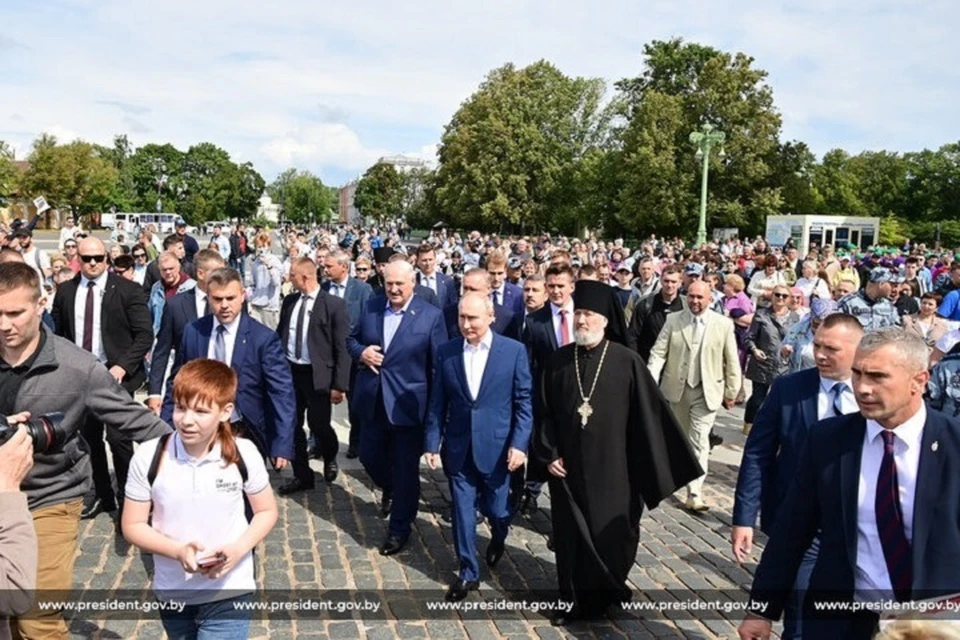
44, 374
18, 541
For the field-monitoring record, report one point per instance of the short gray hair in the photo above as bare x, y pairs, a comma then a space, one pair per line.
487, 302
910, 347
403, 266
341, 257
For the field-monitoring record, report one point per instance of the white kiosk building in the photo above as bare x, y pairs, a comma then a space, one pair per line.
840, 231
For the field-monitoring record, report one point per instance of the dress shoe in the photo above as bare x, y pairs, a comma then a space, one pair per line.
96, 506
392, 545
715, 440
352, 453
459, 589
550, 543
386, 504
331, 470
494, 552
315, 453
696, 505
528, 504
293, 486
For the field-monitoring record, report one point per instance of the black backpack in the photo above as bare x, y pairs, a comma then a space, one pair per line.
161, 449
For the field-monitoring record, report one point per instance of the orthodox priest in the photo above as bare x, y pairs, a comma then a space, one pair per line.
611, 446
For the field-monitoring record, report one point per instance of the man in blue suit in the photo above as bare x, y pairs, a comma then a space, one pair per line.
480, 409
504, 293
355, 293
505, 322
770, 457
395, 342
430, 277
880, 489
266, 403
180, 310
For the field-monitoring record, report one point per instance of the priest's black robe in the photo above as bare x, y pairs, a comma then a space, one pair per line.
630, 454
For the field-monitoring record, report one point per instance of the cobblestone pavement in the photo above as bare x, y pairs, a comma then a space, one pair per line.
327, 539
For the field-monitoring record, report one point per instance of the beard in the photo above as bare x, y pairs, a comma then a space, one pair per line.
587, 338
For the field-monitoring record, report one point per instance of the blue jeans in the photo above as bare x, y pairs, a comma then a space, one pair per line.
793, 611
219, 620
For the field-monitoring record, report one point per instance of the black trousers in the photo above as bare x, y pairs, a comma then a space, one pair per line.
318, 410
760, 391
121, 450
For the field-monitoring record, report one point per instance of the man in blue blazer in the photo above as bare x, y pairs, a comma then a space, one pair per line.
504, 293
505, 322
770, 457
880, 489
355, 293
395, 343
180, 310
480, 411
266, 403
430, 277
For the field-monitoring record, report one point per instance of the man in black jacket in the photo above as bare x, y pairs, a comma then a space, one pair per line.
106, 315
650, 313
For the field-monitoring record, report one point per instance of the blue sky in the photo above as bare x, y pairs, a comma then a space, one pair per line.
332, 86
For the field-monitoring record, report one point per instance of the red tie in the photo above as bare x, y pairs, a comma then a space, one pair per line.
889, 515
564, 330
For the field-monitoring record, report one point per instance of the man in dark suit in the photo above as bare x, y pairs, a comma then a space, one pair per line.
448, 294
106, 315
395, 341
547, 329
480, 409
878, 487
314, 326
181, 310
266, 402
505, 322
355, 293
504, 293
772, 452
425, 293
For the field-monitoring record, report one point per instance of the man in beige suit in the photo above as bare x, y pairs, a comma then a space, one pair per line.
697, 353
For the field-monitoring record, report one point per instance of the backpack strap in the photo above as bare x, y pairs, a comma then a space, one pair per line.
157, 458
242, 467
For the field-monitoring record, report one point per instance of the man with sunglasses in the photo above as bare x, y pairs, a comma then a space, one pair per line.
107, 315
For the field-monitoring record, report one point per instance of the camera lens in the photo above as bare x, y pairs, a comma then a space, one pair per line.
46, 432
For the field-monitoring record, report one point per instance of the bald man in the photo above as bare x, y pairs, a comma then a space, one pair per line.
107, 315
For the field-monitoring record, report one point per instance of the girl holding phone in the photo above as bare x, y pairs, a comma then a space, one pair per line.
194, 481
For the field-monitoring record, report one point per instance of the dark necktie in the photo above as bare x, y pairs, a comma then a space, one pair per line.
496, 297
298, 340
889, 515
206, 304
88, 319
836, 394
220, 345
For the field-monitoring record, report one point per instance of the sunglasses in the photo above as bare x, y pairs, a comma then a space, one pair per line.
120, 272
781, 295
139, 255
69, 246
363, 268
93, 259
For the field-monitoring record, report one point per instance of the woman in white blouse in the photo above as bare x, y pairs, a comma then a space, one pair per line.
811, 283
763, 282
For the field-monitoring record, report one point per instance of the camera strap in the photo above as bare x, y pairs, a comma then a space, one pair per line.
161, 449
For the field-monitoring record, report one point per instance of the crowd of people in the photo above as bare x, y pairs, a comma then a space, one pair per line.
510, 362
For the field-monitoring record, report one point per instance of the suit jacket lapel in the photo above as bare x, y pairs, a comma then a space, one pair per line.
808, 402
850, 482
109, 293
240, 344
191, 302
492, 357
551, 330
687, 330
928, 480
205, 329
461, 370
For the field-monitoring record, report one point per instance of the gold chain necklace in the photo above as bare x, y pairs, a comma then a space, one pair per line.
585, 410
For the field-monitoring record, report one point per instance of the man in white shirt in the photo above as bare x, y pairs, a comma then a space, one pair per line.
35, 257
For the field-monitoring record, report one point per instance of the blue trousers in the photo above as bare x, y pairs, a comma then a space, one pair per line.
218, 620
793, 611
468, 488
391, 457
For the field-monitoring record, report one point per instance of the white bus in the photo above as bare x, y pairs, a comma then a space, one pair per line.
164, 222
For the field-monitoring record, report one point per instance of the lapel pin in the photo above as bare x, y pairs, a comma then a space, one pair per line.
934, 446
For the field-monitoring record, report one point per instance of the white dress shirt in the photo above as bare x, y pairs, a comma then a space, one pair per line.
79, 314
229, 338
848, 402
429, 281
872, 580
475, 362
201, 301
391, 322
310, 299
497, 294
556, 321
339, 289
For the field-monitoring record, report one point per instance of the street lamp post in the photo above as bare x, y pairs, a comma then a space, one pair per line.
705, 139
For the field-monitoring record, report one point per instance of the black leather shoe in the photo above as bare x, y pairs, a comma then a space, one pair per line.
563, 618
331, 470
352, 453
386, 504
95, 507
392, 545
715, 440
528, 504
459, 589
293, 486
495, 552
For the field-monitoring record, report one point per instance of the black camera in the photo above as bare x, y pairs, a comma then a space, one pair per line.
46, 431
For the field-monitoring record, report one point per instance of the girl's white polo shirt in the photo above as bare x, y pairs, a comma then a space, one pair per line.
197, 500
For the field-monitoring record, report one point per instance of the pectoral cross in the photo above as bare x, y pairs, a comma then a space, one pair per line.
585, 411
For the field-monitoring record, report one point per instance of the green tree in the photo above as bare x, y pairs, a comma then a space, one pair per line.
793, 170
8, 171
689, 84
70, 176
379, 194
145, 167
277, 189
837, 189
303, 196
882, 177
